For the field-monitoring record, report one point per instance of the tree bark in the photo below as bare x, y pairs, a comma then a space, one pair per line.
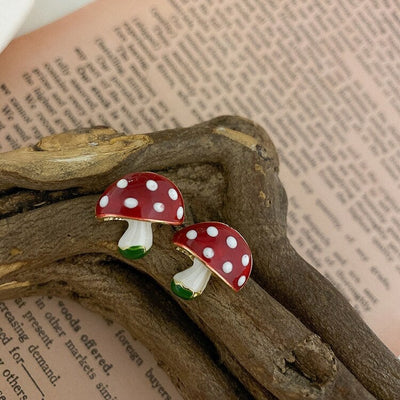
304, 342
144, 310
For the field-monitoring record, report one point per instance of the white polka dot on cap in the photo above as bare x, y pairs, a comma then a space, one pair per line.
179, 212
227, 267
241, 280
122, 183
208, 252
212, 231
130, 202
159, 207
104, 201
152, 185
231, 242
192, 234
173, 194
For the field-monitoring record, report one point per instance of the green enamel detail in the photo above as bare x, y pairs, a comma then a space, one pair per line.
134, 252
181, 292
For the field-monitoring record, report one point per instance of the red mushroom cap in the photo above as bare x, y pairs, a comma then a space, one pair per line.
144, 196
221, 248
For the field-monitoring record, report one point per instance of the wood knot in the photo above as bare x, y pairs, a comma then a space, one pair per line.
316, 360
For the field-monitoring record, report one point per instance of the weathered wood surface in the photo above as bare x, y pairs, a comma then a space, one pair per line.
288, 334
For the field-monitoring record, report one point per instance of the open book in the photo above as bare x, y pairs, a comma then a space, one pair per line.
321, 77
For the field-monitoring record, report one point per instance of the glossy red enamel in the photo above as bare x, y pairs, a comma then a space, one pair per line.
220, 247
144, 196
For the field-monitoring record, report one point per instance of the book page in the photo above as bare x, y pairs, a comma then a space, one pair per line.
53, 348
321, 77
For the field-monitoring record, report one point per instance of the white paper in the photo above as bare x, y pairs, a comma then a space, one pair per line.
12, 16
53, 348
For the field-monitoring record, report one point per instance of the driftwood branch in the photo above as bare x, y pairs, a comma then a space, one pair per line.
143, 309
293, 345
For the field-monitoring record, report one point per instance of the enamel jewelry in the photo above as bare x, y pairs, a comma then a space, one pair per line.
214, 247
139, 199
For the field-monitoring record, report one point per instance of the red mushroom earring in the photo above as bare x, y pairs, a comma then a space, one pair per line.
140, 199
214, 247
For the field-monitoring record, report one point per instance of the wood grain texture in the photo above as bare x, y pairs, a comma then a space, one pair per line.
288, 334
144, 310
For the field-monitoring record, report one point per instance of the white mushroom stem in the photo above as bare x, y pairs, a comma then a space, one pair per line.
139, 233
194, 278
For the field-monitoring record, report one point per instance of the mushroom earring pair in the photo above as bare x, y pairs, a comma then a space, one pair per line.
145, 197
